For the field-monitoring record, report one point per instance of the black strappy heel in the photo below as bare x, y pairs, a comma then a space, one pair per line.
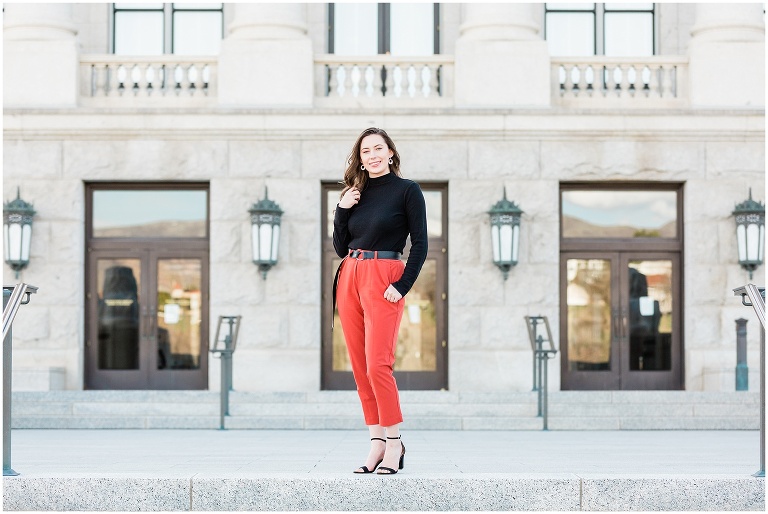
390, 471
365, 469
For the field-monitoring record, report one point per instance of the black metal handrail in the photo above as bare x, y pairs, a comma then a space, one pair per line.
225, 352
541, 356
13, 298
756, 297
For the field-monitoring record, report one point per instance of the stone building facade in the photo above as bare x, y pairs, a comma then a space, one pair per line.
494, 113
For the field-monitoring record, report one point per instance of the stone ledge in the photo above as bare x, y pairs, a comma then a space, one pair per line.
404, 492
673, 493
91, 493
426, 493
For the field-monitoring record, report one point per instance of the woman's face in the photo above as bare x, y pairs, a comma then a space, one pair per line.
375, 154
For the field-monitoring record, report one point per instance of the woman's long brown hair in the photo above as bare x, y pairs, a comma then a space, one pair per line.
356, 177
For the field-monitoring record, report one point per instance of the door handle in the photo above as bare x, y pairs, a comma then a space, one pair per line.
624, 324
152, 321
145, 315
616, 325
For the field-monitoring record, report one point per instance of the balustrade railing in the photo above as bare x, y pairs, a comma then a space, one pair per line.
417, 80
130, 77
609, 81
407, 81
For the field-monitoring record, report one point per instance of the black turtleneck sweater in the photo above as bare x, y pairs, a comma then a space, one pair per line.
389, 209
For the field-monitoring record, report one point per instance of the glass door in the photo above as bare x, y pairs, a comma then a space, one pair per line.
620, 322
589, 331
117, 308
651, 321
147, 324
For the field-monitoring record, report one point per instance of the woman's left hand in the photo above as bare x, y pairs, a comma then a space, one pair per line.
392, 294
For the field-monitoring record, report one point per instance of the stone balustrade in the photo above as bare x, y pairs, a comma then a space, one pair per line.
620, 81
659, 81
136, 79
408, 81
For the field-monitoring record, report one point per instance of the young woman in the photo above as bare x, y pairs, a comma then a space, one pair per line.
378, 211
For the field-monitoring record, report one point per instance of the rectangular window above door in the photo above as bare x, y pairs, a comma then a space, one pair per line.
619, 214
149, 213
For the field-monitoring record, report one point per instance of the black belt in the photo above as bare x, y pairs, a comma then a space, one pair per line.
364, 254
359, 255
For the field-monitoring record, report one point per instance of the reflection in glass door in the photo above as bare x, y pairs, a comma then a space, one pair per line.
651, 322
179, 313
147, 314
118, 333
588, 296
621, 324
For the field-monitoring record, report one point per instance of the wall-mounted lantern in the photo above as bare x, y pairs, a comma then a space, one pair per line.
265, 233
17, 232
505, 233
750, 233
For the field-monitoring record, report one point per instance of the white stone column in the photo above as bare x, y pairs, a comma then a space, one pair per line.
727, 56
501, 59
40, 56
267, 59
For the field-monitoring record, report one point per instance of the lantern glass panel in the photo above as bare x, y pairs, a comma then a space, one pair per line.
741, 238
255, 242
265, 240
6, 243
753, 238
26, 241
14, 242
506, 243
495, 242
761, 246
275, 241
515, 243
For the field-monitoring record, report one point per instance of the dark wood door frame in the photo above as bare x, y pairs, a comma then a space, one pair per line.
620, 251
149, 251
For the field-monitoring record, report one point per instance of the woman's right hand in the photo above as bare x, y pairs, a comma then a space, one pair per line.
350, 198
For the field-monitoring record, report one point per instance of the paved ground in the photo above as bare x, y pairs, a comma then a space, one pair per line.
147, 453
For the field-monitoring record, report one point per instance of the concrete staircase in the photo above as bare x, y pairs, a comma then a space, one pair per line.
422, 410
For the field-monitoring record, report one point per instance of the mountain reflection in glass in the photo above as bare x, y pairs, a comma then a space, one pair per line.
619, 214
150, 213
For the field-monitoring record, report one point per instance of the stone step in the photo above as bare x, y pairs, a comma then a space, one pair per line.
425, 492
428, 410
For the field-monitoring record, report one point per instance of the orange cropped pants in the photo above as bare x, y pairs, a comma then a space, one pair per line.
370, 324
